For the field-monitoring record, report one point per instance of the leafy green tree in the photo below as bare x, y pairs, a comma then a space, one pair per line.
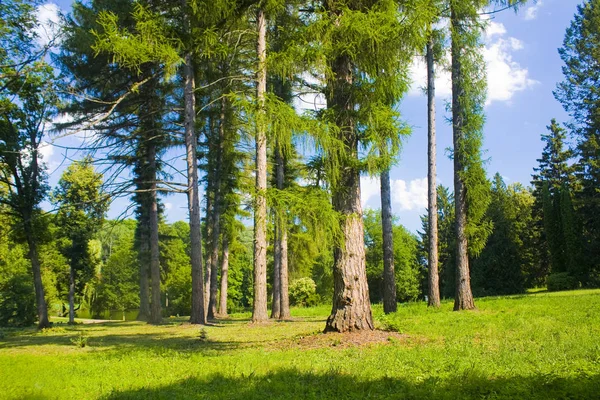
81, 204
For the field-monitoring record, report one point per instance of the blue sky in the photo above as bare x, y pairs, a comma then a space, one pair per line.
523, 70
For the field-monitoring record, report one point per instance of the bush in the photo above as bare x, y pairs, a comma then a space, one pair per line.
303, 292
17, 301
561, 281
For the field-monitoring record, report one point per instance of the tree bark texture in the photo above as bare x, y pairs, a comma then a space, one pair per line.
389, 278
276, 303
434, 279
259, 309
281, 243
351, 309
155, 306
71, 295
198, 315
224, 276
216, 219
464, 298
40, 299
143, 258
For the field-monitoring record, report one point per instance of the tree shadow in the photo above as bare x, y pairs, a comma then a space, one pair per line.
293, 384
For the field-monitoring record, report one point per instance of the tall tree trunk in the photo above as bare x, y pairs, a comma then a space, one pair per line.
198, 315
224, 276
209, 222
276, 304
389, 279
281, 244
38, 285
351, 306
71, 295
143, 257
259, 307
155, 306
434, 279
216, 218
464, 298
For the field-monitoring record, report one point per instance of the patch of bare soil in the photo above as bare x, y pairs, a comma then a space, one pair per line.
346, 340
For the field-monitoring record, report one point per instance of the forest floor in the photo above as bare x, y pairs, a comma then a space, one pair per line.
535, 346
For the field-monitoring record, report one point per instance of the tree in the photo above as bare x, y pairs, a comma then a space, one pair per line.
27, 101
580, 97
81, 206
389, 280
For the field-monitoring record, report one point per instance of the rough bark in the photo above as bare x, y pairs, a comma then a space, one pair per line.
209, 221
143, 258
389, 279
434, 280
224, 276
198, 315
464, 298
259, 309
40, 299
71, 295
351, 306
281, 244
216, 219
155, 306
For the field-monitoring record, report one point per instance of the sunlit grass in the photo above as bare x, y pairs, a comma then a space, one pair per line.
543, 345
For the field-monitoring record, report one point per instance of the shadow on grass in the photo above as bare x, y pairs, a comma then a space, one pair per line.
293, 384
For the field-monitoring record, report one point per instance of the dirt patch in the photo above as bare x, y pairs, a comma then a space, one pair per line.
346, 340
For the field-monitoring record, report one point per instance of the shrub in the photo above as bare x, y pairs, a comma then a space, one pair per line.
561, 281
17, 301
303, 292
80, 340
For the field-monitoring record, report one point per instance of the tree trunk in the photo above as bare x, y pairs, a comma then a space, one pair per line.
389, 279
276, 305
155, 306
434, 279
209, 221
351, 306
71, 295
38, 285
224, 273
198, 315
259, 308
143, 257
281, 245
464, 298
216, 219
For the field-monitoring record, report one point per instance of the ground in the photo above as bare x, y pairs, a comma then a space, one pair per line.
536, 346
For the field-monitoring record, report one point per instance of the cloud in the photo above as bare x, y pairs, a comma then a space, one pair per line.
406, 196
168, 206
48, 17
505, 77
532, 12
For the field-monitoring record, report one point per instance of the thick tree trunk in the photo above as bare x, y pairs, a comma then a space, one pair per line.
216, 219
144, 257
351, 306
198, 315
434, 279
389, 278
259, 309
71, 295
464, 298
40, 298
224, 276
155, 306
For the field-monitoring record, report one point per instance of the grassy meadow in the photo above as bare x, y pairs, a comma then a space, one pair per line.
536, 346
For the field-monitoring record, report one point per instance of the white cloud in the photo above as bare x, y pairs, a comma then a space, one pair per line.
505, 77
407, 196
532, 12
46, 150
48, 17
411, 196
168, 206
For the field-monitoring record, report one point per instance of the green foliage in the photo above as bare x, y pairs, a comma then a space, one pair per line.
81, 340
561, 281
406, 265
303, 293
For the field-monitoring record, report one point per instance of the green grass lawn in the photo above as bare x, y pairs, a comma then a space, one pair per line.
537, 346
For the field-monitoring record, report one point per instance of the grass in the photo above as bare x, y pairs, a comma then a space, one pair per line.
536, 346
